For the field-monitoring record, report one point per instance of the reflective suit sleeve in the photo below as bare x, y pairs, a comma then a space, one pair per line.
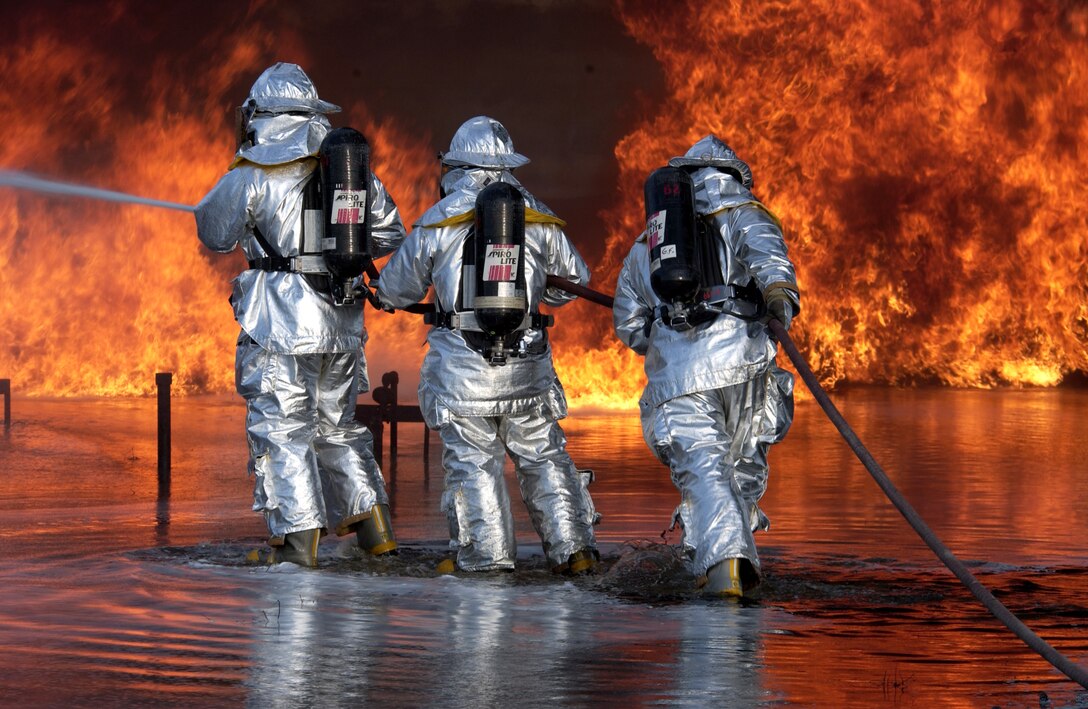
226, 211
386, 228
758, 243
631, 311
565, 262
407, 275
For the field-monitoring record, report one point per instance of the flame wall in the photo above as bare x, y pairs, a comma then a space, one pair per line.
96, 297
924, 158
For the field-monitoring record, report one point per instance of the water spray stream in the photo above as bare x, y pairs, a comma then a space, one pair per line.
11, 178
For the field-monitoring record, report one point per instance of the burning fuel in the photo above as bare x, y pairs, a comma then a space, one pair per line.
923, 159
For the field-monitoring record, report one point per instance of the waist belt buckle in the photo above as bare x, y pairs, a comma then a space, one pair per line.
675, 317
441, 319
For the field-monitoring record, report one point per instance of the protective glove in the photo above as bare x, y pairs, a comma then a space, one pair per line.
780, 306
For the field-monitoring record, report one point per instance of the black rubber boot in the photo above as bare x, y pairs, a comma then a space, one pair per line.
375, 533
298, 548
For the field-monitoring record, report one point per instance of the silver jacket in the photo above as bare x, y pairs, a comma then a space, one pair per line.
727, 350
263, 190
454, 376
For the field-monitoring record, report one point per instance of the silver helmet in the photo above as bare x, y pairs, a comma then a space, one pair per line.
281, 88
483, 142
711, 151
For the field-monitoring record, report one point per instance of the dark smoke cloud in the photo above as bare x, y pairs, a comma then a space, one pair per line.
563, 76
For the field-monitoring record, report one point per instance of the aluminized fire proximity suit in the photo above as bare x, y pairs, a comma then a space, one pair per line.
483, 411
715, 400
300, 361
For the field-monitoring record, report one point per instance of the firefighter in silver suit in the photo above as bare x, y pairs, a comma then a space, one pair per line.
484, 411
300, 363
714, 399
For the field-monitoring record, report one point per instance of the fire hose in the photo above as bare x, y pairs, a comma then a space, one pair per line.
1071, 670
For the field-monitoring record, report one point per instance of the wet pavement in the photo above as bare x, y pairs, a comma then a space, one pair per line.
115, 597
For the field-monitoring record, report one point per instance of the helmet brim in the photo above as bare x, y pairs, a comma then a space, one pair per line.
735, 166
463, 158
284, 105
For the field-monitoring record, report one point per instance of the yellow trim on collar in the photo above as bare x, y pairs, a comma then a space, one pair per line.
454, 220
534, 217
531, 217
240, 160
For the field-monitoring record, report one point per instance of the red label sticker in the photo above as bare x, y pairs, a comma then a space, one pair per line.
501, 262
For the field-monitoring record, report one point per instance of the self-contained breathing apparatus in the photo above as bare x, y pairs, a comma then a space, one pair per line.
492, 309
335, 248
243, 116
685, 264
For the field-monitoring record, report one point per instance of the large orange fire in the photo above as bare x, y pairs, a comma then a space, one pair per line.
97, 297
924, 159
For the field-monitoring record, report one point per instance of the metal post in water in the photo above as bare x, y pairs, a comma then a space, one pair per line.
386, 409
162, 521
162, 382
390, 381
426, 455
5, 389
377, 431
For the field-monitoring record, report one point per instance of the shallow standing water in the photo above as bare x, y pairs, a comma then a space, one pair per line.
111, 597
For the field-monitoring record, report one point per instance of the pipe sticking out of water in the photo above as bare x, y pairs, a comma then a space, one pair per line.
22, 180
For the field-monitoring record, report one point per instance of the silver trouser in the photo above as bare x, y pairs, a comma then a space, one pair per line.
715, 444
313, 463
476, 500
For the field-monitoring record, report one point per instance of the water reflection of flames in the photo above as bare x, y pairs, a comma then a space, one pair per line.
924, 159
925, 163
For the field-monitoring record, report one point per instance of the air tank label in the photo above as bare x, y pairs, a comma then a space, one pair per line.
668, 251
501, 262
348, 207
655, 229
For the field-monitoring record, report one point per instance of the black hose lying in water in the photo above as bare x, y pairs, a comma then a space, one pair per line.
1071, 670
1075, 672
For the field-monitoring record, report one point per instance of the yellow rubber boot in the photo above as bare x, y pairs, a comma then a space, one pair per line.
724, 579
580, 563
375, 533
298, 548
